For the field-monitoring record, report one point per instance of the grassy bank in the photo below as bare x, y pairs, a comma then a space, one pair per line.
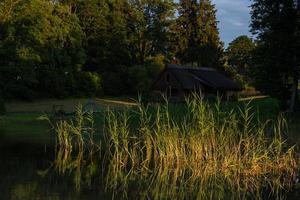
68, 105
210, 153
24, 127
26, 114
21, 121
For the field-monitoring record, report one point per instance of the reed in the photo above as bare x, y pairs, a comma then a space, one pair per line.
209, 154
76, 147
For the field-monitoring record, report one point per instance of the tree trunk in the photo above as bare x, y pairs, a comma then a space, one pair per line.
294, 101
294, 97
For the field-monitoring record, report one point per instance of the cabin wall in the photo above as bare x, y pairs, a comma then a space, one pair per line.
169, 85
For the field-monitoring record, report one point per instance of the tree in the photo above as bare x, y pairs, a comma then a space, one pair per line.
7, 8
122, 34
294, 101
198, 35
93, 20
50, 47
188, 29
211, 48
41, 50
149, 24
276, 23
239, 57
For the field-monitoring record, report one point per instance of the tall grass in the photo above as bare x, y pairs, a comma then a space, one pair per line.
208, 154
75, 146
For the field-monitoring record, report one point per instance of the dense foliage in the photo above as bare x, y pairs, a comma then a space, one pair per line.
277, 60
41, 50
93, 47
90, 47
239, 57
198, 35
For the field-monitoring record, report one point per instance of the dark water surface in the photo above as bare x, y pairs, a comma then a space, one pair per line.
25, 156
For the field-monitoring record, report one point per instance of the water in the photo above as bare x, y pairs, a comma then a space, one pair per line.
26, 157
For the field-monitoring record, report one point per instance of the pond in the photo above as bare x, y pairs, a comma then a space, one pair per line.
26, 151
27, 154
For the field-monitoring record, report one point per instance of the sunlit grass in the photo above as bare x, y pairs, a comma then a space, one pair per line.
209, 154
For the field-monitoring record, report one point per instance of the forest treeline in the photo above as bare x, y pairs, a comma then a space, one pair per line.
60, 48
90, 47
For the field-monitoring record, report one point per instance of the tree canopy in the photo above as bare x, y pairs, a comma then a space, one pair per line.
41, 47
239, 56
198, 34
51, 48
276, 24
59, 48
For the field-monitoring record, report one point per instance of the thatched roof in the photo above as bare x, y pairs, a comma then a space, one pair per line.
192, 77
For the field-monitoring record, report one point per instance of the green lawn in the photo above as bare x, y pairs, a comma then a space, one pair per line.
264, 108
22, 118
28, 112
68, 105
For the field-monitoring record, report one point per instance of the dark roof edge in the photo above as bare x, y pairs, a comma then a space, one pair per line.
173, 66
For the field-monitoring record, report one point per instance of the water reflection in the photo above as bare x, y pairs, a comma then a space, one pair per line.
21, 164
24, 159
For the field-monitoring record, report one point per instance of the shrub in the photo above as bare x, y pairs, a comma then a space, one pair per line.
115, 82
141, 76
155, 65
139, 79
233, 73
89, 84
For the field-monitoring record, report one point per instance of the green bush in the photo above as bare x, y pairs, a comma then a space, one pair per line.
89, 84
155, 65
232, 72
139, 79
115, 81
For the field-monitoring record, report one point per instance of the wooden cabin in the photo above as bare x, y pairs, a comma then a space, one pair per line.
179, 81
